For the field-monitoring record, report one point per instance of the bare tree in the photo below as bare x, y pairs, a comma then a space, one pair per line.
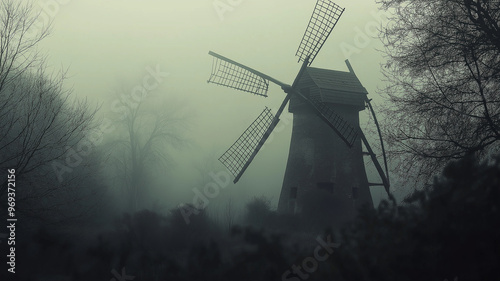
19, 36
38, 117
144, 135
18, 53
443, 69
39, 120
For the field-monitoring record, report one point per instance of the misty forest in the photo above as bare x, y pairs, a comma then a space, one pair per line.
373, 156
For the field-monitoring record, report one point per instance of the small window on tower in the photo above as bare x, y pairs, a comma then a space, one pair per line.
293, 192
327, 186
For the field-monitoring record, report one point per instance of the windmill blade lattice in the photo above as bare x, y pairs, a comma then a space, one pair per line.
233, 76
344, 130
237, 156
323, 20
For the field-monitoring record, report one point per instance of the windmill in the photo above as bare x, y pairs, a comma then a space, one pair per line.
325, 151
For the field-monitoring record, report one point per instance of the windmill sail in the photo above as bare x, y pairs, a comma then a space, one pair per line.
234, 75
241, 153
344, 129
323, 20
383, 177
230, 75
239, 156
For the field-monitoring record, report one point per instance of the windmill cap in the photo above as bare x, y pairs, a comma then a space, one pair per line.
335, 80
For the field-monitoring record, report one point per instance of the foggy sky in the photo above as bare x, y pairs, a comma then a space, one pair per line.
108, 44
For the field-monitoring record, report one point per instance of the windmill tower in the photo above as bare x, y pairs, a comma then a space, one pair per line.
319, 163
326, 150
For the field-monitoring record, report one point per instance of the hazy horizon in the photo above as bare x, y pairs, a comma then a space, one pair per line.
107, 46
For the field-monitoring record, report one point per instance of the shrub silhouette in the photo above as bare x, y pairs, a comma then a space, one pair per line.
448, 231
258, 213
451, 230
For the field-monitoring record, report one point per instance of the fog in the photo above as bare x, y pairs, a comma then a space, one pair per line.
110, 142
107, 46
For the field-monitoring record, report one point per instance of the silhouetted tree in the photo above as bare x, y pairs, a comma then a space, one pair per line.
451, 230
443, 69
19, 38
39, 124
145, 134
